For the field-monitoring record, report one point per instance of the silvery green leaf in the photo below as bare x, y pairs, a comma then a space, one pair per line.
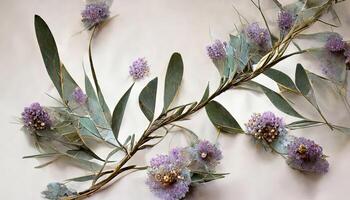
240, 53
82, 178
342, 129
56, 191
173, 79
62, 80
198, 177
280, 103
281, 79
320, 36
88, 129
118, 112
303, 124
42, 155
83, 160
303, 83
147, 99
222, 119
250, 85
205, 95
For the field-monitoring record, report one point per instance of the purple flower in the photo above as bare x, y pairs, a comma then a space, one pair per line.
216, 51
259, 36
168, 176
347, 55
79, 96
335, 43
307, 156
285, 21
139, 69
266, 127
35, 117
94, 14
206, 155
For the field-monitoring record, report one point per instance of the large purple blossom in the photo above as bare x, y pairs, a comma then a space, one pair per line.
217, 50
139, 68
35, 117
94, 14
258, 35
206, 155
335, 43
305, 155
168, 176
79, 96
266, 127
285, 21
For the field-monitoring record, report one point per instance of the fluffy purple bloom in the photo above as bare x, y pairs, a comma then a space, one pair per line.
347, 55
285, 21
335, 43
258, 35
79, 96
266, 127
139, 68
35, 117
217, 50
94, 14
306, 155
168, 176
206, 155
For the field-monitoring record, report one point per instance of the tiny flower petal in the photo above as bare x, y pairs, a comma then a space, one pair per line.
35, 117
139, 69
335, 43
94, 14
79, 96
217, 50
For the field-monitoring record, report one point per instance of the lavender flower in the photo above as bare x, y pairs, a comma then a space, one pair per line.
266, 127
335, 43
258, 35
217, 50
206, 155
285, 21
79, 96
168, 176
139, 69
35, 117
94, 14
56, 191
306, 155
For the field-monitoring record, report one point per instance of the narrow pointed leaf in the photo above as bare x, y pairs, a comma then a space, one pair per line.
205, 95
147, 99
303, 83
281, 79
173, 79
118, 112
222, 119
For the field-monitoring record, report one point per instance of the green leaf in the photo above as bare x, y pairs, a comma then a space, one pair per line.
281, 78
303, 124
280, 103
118, 112
82, 178
87, 129
205, 95
203, 177
147, 99
303, 83
62, 80
173, 79
342, 129
250, 85
320, 36
222, 119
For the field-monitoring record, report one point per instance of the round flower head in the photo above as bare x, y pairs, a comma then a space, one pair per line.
168, 176
306, 155
94, 14
285, 21
216, 51
79, 96
35, 117
258, 35
335, 43
206, 155
139, 69
266, 127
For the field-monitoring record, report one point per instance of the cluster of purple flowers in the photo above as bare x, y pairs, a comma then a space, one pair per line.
336, 44
94, 14
139, 69
217, 50
285, 21
169, 176
79, 96
305, 155
35, 117
259, 36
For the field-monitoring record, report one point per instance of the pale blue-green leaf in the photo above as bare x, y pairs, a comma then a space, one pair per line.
281, 79
342, 129
303, 124
320, 36
82, 178
250, 85
147, 99
205, 95
303, 83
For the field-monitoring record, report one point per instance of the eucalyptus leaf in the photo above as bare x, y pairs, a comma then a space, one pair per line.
118, 112
303, 124
82, 178
147, 99
342, 129
319, 36
205, 95
222, 119
173, 79
303, 83
250, 85
281, 79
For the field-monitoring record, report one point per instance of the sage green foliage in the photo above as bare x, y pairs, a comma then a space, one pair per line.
147, 99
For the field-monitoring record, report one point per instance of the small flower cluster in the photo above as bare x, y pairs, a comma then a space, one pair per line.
335, 44
94, 14
35, 117
79, 96
169, 176
302, 154
285, 21
259, 36
139, 69
217, 50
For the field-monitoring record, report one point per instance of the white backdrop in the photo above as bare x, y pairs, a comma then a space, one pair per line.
154, 29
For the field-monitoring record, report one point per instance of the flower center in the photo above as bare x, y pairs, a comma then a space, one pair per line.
38, 125
204, 155
168, 178
268, 133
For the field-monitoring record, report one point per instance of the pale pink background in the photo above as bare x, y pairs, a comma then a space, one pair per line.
154, 29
